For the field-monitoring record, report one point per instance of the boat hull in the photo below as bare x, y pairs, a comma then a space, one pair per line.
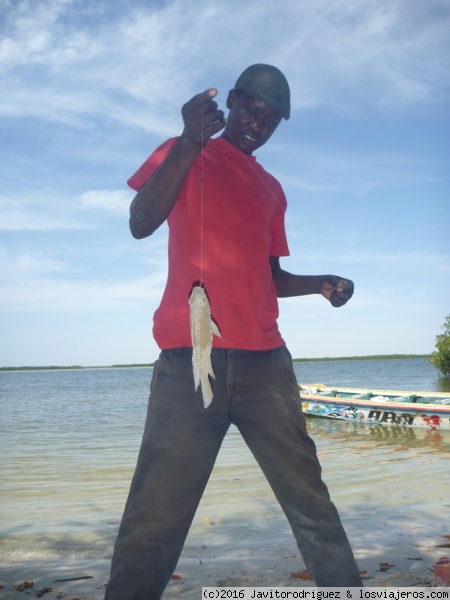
378, 407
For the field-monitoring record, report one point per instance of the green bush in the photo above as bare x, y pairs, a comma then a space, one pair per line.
441, 358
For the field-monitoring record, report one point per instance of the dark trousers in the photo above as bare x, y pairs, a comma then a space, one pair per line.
258, 392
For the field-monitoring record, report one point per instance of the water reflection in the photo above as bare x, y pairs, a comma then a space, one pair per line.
400, 437
443, 384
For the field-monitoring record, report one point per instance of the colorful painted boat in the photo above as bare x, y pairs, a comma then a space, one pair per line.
429, 410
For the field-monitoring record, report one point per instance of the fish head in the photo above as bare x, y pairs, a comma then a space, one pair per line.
198, 298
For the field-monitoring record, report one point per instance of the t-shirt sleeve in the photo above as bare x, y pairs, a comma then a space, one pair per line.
152, 163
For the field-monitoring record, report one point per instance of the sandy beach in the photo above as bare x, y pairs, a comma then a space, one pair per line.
410, 565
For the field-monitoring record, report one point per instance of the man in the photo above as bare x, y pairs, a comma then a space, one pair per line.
226, 230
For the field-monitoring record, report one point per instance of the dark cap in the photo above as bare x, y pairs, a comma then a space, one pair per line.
268, 84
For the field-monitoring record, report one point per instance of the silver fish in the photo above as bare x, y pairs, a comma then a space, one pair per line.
202, 330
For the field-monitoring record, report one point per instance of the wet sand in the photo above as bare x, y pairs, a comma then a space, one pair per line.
410, 565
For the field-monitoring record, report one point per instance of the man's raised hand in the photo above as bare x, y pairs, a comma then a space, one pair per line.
201, 118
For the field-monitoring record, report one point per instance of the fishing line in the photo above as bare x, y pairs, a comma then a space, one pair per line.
202, 176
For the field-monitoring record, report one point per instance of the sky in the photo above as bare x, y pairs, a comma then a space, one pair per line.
90, 89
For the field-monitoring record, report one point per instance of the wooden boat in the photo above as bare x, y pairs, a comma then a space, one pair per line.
429, 410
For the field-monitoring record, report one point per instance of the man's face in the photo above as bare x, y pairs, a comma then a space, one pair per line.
250, 122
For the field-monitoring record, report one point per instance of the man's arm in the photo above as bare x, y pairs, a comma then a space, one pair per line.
337, 290
154, 201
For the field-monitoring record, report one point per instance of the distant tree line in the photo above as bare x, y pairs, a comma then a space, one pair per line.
145, 365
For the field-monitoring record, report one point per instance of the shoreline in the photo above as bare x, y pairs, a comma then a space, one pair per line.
410, 565
146, 366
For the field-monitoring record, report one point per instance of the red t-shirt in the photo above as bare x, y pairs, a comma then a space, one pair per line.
243, 224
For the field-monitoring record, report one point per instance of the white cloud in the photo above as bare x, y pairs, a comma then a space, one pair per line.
26, 263
39, 211
116, 201
136, 66
34, 280
51, 211
419, 263
418, 266
306, 167
44, 294
430, 262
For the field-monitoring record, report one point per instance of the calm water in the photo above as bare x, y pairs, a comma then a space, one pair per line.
69, 441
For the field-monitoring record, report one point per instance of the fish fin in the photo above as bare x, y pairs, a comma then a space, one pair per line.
215, 329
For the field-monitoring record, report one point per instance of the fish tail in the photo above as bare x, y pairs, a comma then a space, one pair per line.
206, 391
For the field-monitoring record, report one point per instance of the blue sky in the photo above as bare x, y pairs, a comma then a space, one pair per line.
89, 89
